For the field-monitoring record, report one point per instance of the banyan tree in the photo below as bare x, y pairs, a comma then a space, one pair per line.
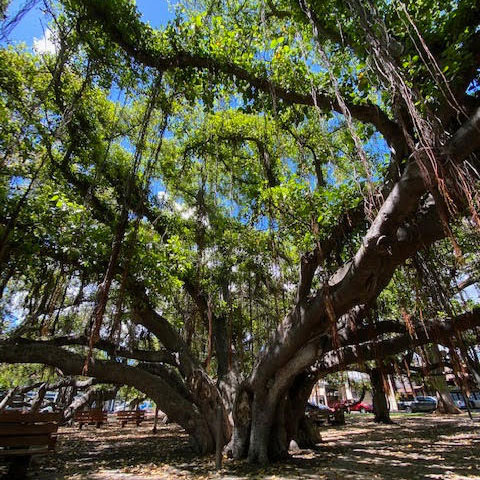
220, 211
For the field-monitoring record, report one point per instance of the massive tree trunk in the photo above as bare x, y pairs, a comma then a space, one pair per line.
301, 337
191, 380
269, 405
288, 421
396, 233
299, 427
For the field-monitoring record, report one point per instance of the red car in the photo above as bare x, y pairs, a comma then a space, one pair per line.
339, 405
361, 407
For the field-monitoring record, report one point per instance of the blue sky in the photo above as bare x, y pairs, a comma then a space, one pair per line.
34, 23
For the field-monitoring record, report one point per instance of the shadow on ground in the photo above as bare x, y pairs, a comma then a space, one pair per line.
416, 447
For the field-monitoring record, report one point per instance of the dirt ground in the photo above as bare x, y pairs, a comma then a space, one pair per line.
415, 447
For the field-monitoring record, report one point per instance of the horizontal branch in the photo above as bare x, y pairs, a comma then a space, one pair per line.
112, 349
169, 400
440, 332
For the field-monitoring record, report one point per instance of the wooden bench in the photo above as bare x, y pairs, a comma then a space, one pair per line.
91, 417
126, 416
25, 434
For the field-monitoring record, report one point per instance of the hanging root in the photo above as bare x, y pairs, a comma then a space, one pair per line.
407, 318
371, 203
449, 183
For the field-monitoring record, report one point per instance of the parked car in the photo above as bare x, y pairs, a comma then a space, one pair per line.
423, 404
404, 404
361, 407
352, 406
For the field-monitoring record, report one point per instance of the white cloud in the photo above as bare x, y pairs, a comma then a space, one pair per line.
46, 44
163, 196
185, 212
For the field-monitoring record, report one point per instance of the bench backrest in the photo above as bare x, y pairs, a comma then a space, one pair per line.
19, 429
91, 416
131, 414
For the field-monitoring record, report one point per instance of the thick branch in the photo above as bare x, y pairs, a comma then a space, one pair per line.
346, 224
434, 332
387, 244
171, 402
109, 347
148, 317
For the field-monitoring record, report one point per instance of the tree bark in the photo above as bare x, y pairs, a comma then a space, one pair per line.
92, 394
437, 380
380, 404
299, 427
37, 402
8, 398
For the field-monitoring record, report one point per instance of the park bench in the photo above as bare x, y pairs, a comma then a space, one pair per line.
126, 416
91, 417
25, 434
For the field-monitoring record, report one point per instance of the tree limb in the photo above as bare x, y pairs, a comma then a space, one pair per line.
435, 332
139, 43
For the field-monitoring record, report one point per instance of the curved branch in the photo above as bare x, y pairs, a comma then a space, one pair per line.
144, 314
175, 405
161, 356
138, 41
434, 332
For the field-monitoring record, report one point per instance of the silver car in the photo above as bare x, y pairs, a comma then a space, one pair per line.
423, 404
